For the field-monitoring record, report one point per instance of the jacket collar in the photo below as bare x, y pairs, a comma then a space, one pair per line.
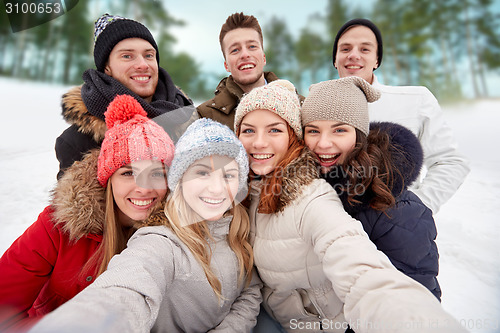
297, 175
84, 106
228, 93
220, 229
75, 112
79, 200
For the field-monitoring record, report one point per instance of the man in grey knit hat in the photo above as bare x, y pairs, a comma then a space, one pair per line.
357, 51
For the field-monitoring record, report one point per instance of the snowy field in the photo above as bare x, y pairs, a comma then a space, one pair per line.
468, 225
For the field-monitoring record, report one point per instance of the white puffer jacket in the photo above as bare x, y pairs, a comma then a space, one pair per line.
417, 109
320, 270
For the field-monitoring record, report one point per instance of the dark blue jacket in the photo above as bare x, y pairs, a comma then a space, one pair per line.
406, 233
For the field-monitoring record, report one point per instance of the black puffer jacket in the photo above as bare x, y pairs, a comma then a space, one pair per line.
406, 233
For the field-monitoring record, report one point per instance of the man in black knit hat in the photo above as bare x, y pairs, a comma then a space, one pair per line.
357, 51
127, 62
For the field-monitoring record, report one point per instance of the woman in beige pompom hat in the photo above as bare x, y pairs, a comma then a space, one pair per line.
320, 270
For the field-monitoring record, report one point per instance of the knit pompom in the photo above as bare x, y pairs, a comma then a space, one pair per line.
122, 109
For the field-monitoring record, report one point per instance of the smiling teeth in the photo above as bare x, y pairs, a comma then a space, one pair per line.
141, 78
141, 202
262, 156
353, 67
328, 156
212, 201
247, 66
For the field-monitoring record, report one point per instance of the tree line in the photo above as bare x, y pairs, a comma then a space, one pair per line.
432, 43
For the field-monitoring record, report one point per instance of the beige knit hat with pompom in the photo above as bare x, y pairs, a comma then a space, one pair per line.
344, 100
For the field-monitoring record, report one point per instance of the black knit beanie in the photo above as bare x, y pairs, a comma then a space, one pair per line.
364, 22
110, 30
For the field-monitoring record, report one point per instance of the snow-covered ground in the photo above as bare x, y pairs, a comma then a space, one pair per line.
468, 225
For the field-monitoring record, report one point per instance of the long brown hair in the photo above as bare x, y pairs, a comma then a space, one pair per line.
114, 237
273, 182
369, 167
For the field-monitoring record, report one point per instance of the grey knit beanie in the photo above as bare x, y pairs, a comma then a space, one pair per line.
344, 100
206, 137
109, 30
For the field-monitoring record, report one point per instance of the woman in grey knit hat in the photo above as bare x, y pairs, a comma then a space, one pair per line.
189, 267
371, 166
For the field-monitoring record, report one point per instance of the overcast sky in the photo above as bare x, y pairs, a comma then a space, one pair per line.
200, 36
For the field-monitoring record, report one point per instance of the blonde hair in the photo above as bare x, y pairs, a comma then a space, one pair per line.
182, 220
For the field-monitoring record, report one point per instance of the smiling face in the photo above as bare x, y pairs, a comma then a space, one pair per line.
133, 62
265, 137
209, 186
137, 187
330, 140
244, 57
357, 53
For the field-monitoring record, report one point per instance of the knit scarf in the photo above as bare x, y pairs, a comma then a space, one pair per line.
100, 89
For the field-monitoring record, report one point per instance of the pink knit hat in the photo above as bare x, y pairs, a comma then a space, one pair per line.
131, 137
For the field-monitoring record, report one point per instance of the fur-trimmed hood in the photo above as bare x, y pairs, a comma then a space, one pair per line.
407, 157
406, 152
79, 200
296, 176
75, 112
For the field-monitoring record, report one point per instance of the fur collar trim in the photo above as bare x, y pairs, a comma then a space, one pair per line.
75, 112
78, 200
296, 176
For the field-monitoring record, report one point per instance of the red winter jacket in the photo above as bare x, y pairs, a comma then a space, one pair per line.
42, 269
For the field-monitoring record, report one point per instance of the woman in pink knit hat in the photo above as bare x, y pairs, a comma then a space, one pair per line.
92, 213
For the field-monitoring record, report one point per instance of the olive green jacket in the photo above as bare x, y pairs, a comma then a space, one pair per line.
222, 106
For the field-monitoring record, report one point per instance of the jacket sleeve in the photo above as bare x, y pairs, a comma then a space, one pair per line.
374, 293
25, 268
243, 314
71, 146
125, 298
446, 167
406, 234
